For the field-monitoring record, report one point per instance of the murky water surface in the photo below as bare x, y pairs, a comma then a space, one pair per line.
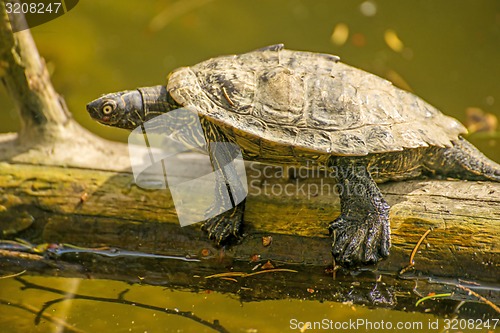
96, 306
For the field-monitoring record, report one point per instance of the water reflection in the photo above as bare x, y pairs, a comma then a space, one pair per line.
75, 305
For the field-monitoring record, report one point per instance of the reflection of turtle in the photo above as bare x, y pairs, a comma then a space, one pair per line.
308, 109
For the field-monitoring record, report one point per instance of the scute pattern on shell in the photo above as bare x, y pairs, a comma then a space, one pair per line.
310, 101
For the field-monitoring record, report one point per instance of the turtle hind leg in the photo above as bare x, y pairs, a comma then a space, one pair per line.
462, 161
361, 233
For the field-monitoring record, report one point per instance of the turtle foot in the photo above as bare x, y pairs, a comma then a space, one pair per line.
360, 242
225, 226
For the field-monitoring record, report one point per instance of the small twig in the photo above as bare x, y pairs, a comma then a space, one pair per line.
415, 249
22, 255
414, 252
226, 96
486, 301
469, 282
13, 275
229, 279
243, 274
272, 270
228, 274
432, 297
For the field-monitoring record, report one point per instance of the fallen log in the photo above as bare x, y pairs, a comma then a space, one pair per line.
98, 210
96, 207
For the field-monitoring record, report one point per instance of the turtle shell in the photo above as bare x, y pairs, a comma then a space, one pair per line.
309, 101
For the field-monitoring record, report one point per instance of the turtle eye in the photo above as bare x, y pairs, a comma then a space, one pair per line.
108, 108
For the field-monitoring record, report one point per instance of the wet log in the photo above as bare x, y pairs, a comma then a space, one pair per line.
95, 208
98, 210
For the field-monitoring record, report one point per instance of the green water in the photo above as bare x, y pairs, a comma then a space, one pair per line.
232, 314
448, 56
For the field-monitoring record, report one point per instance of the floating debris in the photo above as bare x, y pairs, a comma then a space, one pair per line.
479, 121
243, 274
368, 8
358, 39
268, 265
340, 34
397, 80
392, 40
432, 296
255, 258
205, 252
267, 240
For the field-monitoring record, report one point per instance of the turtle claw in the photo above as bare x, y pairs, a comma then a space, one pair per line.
225, 226
364, 242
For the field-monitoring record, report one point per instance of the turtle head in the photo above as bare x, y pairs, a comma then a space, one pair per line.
131, 108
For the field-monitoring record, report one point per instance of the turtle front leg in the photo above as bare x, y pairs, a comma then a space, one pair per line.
224, 226
225, 217
361, 234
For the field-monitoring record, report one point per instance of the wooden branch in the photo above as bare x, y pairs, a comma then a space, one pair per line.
49, 134
42, 111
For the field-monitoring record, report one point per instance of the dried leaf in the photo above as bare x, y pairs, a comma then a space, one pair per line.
267, 265
267, 240
340, 34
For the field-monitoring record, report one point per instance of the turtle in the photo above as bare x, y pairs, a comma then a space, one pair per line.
310, 109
